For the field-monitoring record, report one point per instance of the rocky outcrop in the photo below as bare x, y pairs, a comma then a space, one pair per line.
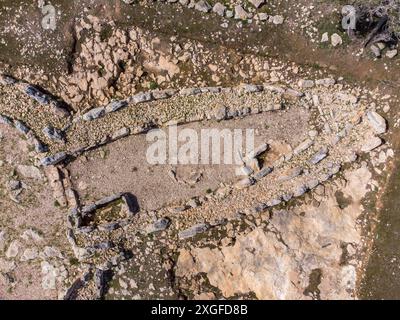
278, 262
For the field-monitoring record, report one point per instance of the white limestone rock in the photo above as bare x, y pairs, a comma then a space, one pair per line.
377, 122
336, 40
219, 9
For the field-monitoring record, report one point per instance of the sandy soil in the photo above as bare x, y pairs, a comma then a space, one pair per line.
124, 168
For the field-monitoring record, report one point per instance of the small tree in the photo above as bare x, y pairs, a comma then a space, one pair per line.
379, 20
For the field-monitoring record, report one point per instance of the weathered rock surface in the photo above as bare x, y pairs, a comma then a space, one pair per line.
193, 231
5, 120
278, 19
281, 261
319, 156
257, 3
13, 249
391, 53
377, 122
336, 40
54, 159
240, 13
31, 172
94, 114
219, 9
159, 225
371, 144
202, 6
53, 134
37, 95
115, 106
141, 97
303, 146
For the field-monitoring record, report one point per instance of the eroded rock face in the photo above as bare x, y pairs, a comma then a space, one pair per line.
233, 269
281, 261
